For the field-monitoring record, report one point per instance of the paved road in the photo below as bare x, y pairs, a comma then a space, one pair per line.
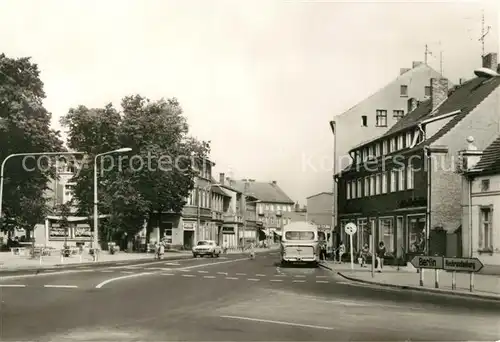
229, 299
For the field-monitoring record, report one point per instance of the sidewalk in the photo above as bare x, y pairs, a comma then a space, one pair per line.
9, 262
485, 286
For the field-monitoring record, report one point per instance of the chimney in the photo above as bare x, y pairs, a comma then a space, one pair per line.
470, 156
439, 91
403, 70
221, 178
412, 104
416, 64
274, 182
490, 61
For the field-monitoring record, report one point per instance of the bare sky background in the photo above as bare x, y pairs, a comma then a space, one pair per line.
260, 79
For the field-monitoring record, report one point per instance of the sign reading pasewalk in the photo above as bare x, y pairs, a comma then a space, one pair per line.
462, 264
423, 261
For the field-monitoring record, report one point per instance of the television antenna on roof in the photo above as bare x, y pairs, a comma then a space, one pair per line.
484, 32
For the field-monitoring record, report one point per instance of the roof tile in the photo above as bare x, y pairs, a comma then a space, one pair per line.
266, 192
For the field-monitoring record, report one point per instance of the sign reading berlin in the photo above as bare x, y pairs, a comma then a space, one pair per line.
431, 262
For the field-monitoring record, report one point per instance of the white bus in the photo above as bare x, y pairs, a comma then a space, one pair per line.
299, 243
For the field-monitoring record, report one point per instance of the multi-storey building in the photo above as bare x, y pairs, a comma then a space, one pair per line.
403, 184
480, 202
319, 211
274, 207
376, 114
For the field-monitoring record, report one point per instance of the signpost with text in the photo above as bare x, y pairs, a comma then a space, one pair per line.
470, 265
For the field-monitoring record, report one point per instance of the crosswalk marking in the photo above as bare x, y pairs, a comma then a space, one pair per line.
241, 274
167, 274
299, 281
202, 271
322, 281
189, 275
126, 272
209, 277
253, 279
276, 280
231, 278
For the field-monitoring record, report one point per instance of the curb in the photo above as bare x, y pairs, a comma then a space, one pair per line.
91, 263
417, 288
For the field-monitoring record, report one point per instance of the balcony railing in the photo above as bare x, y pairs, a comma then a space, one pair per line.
217, 216
233, 218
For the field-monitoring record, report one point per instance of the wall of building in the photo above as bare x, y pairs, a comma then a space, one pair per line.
319, 209
483, 124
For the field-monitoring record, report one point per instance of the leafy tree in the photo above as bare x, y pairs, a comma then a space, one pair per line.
159, 175
24, 128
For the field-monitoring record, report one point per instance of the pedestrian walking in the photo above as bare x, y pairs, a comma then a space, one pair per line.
380, 256
363, 256
341, 251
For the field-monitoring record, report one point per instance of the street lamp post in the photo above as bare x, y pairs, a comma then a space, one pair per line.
26, 154
96, 213
334, 183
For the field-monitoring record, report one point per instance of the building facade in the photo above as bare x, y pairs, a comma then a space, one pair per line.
403, 185
376, 114
481, 203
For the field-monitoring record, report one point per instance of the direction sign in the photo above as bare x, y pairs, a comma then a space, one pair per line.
462, 264
425, 261
350, 228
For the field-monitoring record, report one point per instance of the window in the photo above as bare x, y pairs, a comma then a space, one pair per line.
384, 182
364, 233
364, 154
267, 207
289, 208
416, 232
401, 179
400, 142
384, 147
409, 177
299, 235
408, 139
358, 156
377, 149
403, 91
485, 185
387, 236
348, 190
381, 118
372, 185
485, 231
370, 151
394, 175
398, 114
359, 189
392, 146
353, 189
367, 186
377, 184
427, 91
364, 121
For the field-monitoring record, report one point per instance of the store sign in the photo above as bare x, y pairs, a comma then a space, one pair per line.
55, 231
189, 225
324, 226
83, 231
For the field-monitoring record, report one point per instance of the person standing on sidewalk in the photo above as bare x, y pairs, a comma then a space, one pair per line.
341, 251
380, 256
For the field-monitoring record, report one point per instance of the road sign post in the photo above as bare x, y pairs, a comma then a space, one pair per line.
470, 265
428, 262
350, 230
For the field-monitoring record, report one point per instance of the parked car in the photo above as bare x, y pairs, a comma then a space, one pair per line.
207, 247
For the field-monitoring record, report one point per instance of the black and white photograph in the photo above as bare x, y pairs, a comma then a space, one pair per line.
249, 170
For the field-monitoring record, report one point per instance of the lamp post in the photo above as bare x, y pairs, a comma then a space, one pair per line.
26, 154
96, 213
334, 170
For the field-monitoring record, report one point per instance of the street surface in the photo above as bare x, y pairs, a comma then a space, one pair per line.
229, 298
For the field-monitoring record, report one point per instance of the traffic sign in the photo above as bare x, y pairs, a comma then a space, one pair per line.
462, 264
425, 261
350, 228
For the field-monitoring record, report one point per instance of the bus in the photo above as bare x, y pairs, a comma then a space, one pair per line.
299, 243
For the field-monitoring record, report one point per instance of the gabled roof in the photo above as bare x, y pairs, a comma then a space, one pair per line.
463, 98
266, 192
490, 160
218, 189
321, 193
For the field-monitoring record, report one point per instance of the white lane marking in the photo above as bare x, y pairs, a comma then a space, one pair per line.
321, 276
280, 275
172, 264
278, 322
62, 286
209, 277
168, 274
241, 274
222, 273
276, 280
121, 263
232, 278
43, 274
149, 273
189, 275
98, 286
159, 268
298, 281
260, 275
183, 270
126, 272
107, 271
300, 276
322, 281
202, 271
12, 285
253, 279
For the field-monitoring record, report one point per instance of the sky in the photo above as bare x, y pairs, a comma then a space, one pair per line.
260, 79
